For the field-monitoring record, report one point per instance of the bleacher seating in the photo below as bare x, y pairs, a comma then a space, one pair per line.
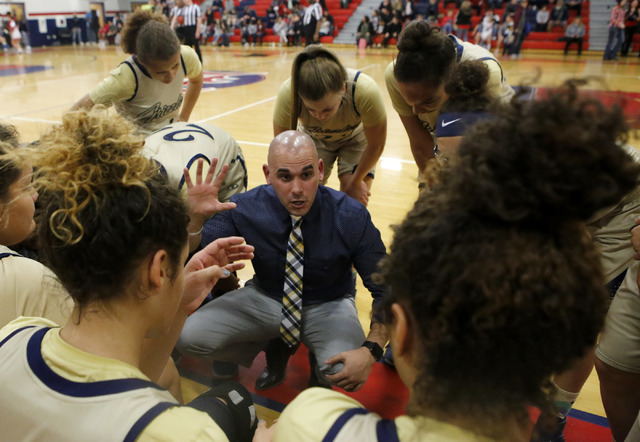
340, 17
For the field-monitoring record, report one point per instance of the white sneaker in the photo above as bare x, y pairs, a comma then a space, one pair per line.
28, 49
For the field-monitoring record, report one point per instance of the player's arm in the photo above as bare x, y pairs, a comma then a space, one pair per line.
420, 140
277, 129
376, 138
191, 96
85, 103
198, 25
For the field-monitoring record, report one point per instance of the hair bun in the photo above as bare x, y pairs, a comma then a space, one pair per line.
420, 36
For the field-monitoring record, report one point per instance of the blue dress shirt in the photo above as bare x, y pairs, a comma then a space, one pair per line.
337, 233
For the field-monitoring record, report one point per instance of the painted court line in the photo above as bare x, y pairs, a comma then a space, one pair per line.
266, 100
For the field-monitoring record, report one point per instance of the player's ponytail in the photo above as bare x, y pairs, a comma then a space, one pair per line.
316, 71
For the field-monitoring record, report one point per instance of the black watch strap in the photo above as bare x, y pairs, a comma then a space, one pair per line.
374, 348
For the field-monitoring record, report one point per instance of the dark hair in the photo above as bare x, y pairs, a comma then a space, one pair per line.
425, 54
10, 171
149, 37
105, 208
501, 282
466, 87
316, 71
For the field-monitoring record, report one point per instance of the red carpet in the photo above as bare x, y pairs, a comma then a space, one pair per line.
384, 393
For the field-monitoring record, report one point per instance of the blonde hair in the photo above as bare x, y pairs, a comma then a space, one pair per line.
104, 206
316, 72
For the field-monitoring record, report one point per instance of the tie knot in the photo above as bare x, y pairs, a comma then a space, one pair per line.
296, 221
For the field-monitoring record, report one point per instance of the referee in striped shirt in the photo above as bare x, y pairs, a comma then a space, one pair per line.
186, 20
311, 22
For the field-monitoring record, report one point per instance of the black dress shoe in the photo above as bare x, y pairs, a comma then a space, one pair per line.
268, 379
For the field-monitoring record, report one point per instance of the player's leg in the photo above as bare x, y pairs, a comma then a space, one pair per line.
618, 357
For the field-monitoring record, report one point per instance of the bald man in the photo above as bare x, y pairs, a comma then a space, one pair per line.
336, 234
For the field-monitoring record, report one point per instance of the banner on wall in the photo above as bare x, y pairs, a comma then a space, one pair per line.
61, 21
42, 25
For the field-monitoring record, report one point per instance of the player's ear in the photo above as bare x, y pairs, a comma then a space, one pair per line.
265, 170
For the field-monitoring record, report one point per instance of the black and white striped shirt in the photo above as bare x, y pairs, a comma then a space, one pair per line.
313, 11
191, 15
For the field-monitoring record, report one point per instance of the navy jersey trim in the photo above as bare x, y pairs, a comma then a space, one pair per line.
353, 92
76, 389
245, 179
7, 254
613, 285
146, 419
142, 68
387, 431
341, 421
15, 332
459, 47
184, 68
188, 166
135, 76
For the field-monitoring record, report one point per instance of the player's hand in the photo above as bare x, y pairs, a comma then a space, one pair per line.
202, 197
357, 366
264, 433
217, 260
358, 190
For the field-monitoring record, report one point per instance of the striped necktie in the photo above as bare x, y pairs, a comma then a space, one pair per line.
292, 299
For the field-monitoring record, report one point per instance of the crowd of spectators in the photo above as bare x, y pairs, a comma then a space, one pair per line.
221, 18
503, 25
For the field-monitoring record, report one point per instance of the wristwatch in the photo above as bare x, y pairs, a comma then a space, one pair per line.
375, 349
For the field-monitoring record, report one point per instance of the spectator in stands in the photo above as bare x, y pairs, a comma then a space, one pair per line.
616, 31
447, 22
385, 16
505, 36
365, 31
511, 8
391, 30
209, 29
542, 19
630, 28
375, 23
575, 5
477, 6
76, 30
483, 33
409, 10
574, 34
397, 9
217, 6
221, 29
270, 17
559, 16
463, 20
102, 34
326, 14
250, 33
261, 31
520, 28
431, 12
283, 11
294, 33
232, 19
280, 29
494, 4
326, 28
